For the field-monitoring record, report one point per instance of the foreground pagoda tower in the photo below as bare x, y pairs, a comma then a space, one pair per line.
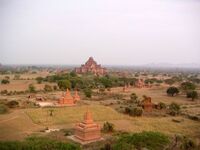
87, 130
67, 99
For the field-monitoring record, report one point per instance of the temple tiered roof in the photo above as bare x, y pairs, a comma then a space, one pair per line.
91, 66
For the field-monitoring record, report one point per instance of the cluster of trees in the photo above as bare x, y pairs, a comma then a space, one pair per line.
187, 88
72, 80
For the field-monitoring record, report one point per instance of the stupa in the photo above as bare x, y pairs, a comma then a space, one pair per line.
67, 99
125, 88
87, 130
76, 96
140, 83
147, 104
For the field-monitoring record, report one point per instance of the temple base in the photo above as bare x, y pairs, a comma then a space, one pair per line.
77, 140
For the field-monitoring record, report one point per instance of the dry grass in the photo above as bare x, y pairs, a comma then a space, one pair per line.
75, 114
162, 124
16, 126
158, 94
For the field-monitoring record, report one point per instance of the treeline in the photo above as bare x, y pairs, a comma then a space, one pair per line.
73, 81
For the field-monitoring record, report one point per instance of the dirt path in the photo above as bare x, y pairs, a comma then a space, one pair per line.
2, 121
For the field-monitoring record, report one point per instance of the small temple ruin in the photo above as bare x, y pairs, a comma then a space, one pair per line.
91, 66
126, 88
76, 96
68, 100
147, 104
141, 84
87, 130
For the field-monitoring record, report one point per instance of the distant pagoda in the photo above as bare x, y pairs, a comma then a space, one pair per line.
91, 66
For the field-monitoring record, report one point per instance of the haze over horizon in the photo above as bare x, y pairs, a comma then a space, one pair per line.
114, 32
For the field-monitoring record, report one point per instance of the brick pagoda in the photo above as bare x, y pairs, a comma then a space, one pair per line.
140, 83
67, 99
147, 104
76, 96
87, 130
91, 66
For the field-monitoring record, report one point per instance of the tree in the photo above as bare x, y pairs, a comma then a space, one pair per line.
172, 90
192, 94
12, 104
5, 81
31, 88
64, 84
88, 92
187, 86
48, 88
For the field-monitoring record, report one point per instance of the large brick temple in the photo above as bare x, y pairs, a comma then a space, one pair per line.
91, 66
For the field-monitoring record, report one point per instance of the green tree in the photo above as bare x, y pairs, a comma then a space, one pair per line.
172, 90
64, 84
187, 86
192, 94
5, 81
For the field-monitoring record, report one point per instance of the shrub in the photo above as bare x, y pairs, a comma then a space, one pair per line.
149, 140
5, 81
127, 110
31, 88
48, 88
192, 94
39, 80
88, 92
3, 109
38, 143
174, 109
4, 92
134, 98
108, 127
55, 87
12, 104
172, 90
162, 105
136, 111
187, 144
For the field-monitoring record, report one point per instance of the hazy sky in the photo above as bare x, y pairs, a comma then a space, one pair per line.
115, 32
